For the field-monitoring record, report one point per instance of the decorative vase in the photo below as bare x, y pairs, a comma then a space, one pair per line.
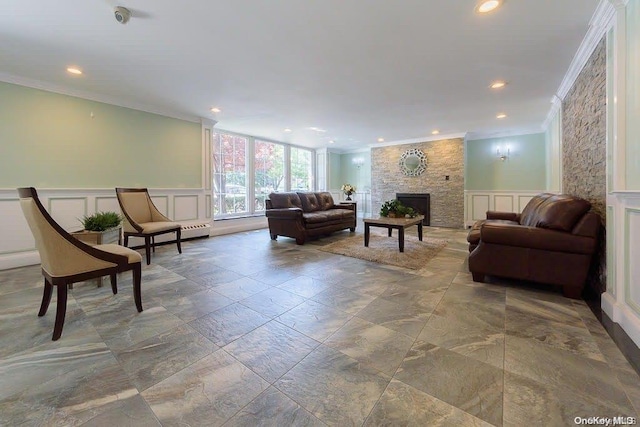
392, 215
349, 196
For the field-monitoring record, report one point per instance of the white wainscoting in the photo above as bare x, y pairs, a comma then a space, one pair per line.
621, 301
477, 203
68, 206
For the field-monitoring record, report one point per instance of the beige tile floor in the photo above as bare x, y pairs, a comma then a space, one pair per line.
242, 331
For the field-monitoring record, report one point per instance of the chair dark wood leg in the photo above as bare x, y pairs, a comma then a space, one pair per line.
147, 247
274, 237
126, 240
61, 311
178, 236
153, 244
114, 283
46, 298
137, 292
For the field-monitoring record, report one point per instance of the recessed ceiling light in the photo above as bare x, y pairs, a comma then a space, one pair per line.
215, 110
498, 84
380, 139
287, 130
435, 132
74, 70
331, 141
486, 6
501, 116
317, 129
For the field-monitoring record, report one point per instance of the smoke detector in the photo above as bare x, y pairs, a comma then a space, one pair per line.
122, 14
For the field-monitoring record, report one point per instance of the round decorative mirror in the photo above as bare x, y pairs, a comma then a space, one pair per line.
413, 162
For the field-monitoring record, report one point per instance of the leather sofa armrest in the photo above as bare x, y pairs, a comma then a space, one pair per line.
284, 213
536, 238
509, 216
349, 206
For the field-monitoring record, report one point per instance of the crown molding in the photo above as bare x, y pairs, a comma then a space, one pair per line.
90, 96
419, 140
208, 122
473, 136
601, 21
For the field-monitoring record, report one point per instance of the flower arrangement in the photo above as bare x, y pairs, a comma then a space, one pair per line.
348, 190
395, 209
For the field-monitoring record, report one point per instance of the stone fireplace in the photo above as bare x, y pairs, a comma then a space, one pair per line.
420, 202
443, 179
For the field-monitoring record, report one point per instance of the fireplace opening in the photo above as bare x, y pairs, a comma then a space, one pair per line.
420, 202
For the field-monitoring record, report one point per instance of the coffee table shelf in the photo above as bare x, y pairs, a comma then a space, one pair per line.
391, 224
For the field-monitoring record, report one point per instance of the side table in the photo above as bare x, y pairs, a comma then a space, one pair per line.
112, 235
350, 202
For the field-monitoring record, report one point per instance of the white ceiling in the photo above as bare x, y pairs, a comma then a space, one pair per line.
359, 69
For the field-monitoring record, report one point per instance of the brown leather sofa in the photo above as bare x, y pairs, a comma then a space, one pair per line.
304, 215
552, 241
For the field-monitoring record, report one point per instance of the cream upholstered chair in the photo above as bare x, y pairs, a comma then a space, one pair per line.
66, 260
143, 219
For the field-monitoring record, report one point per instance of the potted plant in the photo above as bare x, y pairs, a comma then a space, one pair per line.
100, 228
395, 209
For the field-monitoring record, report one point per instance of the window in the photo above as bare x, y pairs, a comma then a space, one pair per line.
301, 169
229, 175
269, 171
246, 171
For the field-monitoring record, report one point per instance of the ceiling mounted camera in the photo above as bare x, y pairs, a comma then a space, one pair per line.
122, 14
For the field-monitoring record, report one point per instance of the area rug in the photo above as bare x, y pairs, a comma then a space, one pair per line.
384, 249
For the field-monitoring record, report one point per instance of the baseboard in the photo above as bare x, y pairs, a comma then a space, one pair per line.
19, 259
237, 225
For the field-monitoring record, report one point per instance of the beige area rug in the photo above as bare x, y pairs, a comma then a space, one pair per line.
384, 249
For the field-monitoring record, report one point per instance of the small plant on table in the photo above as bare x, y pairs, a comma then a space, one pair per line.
395, 209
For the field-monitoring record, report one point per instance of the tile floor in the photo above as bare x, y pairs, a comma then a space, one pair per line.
240, 330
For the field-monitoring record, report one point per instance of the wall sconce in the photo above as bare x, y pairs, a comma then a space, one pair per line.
503, 154
358, 161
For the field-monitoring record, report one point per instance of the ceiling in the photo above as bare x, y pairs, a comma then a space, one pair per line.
359, 69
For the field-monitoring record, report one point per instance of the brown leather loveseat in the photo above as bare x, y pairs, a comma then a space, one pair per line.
552, 241
303, 215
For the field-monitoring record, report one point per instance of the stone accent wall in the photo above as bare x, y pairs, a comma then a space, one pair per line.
584, 150
444, 157
584, 132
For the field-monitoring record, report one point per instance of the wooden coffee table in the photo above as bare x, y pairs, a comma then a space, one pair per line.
393, 223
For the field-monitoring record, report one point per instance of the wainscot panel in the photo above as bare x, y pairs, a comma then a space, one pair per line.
479, 202
621, 300
68, 206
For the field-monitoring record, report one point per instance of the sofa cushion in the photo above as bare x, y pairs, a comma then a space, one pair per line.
285, 200
561, 212
323, 216
529, 215
309, 201
325, 200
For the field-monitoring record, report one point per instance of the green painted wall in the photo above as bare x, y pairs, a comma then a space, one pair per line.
50, 140
335, 171
360, 177
525, 169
